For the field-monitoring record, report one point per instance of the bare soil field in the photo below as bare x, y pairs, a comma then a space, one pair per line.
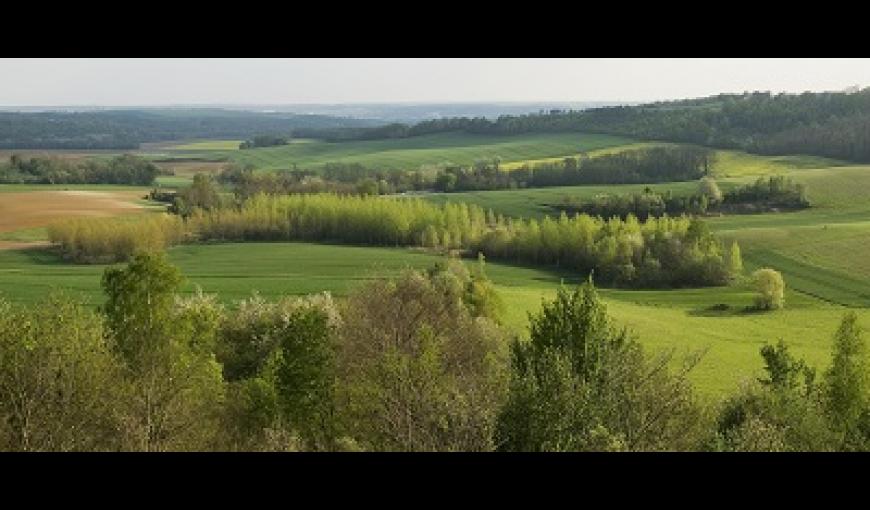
32, 209
191, 168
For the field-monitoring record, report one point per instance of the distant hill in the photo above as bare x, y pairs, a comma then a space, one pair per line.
126, 129
830, 124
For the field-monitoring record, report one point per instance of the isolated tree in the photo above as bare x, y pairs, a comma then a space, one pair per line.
734, 259
708, 188
771, 289
201, 194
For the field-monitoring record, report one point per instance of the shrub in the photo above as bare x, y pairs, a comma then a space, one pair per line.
771, 289
106, 240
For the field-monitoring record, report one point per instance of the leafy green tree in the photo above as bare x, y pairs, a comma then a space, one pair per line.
784, 371
201, 194
417, 370
708, 188
734, 259
771, 289
849, 384
173, 380
782, 412
305, 376
58, 379
581, 384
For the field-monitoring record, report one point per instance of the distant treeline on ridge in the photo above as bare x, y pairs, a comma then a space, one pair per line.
830, 124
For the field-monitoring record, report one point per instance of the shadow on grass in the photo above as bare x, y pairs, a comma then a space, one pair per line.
725, 310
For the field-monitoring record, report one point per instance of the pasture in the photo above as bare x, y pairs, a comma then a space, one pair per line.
416, 152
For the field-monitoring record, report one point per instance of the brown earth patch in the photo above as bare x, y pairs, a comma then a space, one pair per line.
39, 208
191, 168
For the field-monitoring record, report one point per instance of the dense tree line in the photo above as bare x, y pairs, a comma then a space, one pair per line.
636, 166
264, 141
773, 193
414, 363
832, 124
126, 129
659, 252
107, 240
646, 165
125, 169
349, 179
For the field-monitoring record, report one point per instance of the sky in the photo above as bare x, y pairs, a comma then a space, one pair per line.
154, 82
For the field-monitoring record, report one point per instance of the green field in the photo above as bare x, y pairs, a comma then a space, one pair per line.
416, 152
726, 163
208, 145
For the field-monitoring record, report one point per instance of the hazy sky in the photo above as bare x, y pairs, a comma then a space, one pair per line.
118, 82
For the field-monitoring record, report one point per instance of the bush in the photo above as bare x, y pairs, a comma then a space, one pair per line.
771, 289
418, 369
107, 240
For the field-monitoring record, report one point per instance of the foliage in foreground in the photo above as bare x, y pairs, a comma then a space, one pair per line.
416, 363
581, 384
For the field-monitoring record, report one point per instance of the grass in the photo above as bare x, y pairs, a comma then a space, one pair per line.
418, 152
726, 163
25, 235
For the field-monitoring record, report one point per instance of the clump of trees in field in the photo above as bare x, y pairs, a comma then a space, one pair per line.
264, 141
126, 169
772, 194
413, 363
106, 240
658, 252
634, 166
246, 183
775, 192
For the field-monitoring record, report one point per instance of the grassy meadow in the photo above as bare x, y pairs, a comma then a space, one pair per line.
408, 153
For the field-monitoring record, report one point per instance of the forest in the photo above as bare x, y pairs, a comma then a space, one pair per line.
126, 129
776, 193
830, 124
632, 166
418, 362
125, 169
